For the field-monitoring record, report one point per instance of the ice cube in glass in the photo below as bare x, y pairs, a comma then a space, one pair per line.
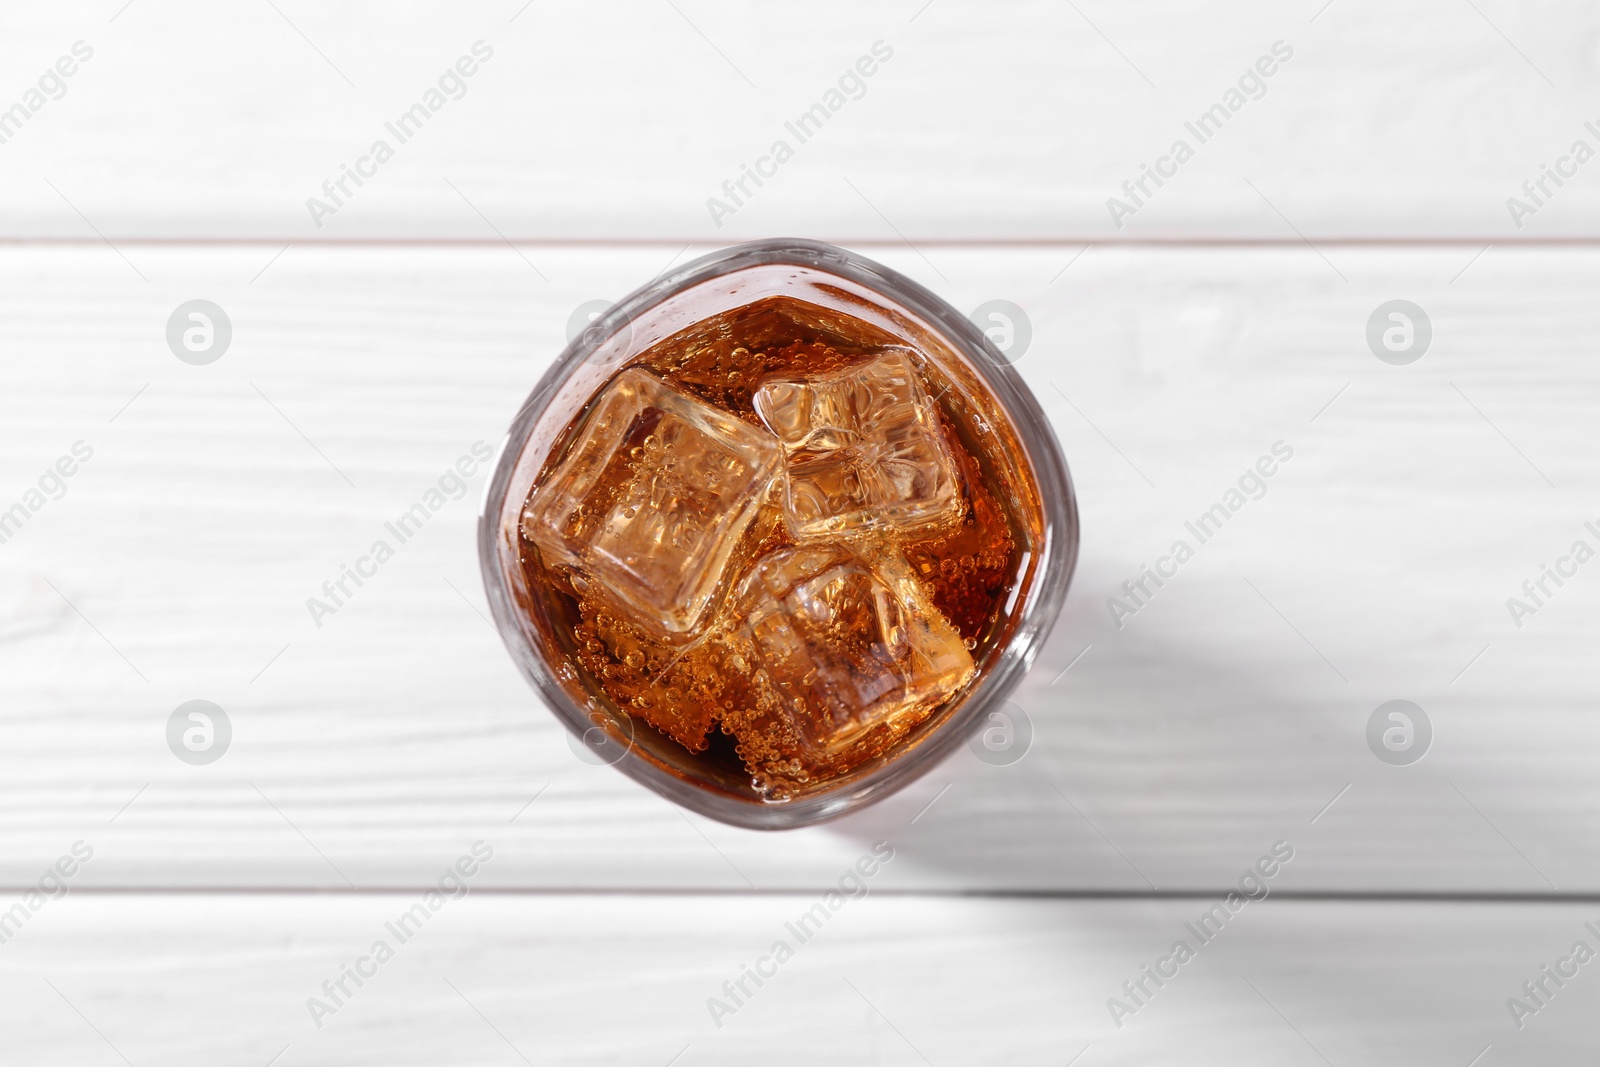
652, 499
865, 450
843, 638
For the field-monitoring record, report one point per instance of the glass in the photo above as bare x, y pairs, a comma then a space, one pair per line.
821, 440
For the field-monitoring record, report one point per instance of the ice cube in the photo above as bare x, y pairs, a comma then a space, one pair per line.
865, 450
652, 499
845, 639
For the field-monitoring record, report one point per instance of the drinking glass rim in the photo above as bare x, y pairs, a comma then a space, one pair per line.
1058, 553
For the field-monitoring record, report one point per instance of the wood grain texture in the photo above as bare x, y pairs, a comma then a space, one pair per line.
1227, 714
620, 120
503, 980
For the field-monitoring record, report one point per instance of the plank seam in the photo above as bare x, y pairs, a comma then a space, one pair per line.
1303, 895
1055, 242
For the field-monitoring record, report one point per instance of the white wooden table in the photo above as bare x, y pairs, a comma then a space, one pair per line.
1228, 313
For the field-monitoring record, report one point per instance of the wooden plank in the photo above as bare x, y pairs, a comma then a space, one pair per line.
226, 979
615, 120
1227, 714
